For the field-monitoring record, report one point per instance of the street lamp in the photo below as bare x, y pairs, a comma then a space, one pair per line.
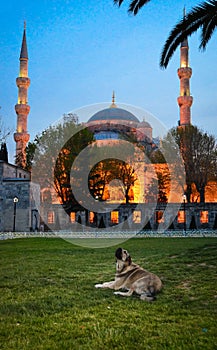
184, 207
16, 199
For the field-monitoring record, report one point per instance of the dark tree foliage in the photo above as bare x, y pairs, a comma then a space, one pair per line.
64, 161
4, 133
51, 155
158, 189
100, 176
108, 170
30, 151
4, 152
199, 152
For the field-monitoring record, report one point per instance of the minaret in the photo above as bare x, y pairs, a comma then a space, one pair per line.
184, 72
22, 108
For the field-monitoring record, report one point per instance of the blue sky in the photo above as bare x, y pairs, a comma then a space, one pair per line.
80, 51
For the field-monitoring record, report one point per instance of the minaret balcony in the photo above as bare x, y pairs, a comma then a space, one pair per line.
23, 82
21, 137
184, 72
185, 101
22, 109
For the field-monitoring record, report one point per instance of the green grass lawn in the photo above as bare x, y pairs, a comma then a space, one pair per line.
48, 299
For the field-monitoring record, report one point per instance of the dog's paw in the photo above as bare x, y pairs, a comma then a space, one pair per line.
99, 285
116, 293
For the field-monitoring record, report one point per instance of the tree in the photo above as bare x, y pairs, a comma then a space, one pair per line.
68, 153
30, 152
199, 152
99, 177
126, 173
112, 168
4, 133
4, 152
170, 171
199, 155
163, 184
158, 189
135, 5
51, 156
108, 170
203, 16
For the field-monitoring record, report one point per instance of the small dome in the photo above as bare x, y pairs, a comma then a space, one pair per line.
144, 124
114, 113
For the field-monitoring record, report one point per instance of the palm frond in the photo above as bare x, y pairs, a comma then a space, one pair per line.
118, 2
176, 37
194, 20
207, 31
136, 5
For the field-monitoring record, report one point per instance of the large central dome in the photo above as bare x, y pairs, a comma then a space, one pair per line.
113, 113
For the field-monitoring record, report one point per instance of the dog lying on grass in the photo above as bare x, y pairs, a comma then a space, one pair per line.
133, 278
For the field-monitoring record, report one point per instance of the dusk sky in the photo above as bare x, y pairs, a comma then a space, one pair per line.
80, 51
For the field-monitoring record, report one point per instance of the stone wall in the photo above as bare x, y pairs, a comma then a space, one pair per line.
11, 171
162, 217
23, 214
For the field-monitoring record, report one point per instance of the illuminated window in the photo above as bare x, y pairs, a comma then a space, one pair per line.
104, 135
137, 217
50, 217
115, 217
91, 217
72, 217
204, 216
159, 216
181, 217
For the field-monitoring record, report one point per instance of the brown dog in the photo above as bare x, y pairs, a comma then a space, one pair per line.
133, 278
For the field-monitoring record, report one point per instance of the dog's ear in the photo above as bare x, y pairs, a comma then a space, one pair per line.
129, 260
118, 253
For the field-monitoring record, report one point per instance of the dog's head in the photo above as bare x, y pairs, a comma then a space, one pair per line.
123, 257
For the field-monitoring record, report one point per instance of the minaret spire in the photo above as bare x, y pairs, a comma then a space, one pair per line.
22, 108
23, 51
185, 100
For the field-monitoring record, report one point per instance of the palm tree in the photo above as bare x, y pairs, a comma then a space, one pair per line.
203, 16
134, 6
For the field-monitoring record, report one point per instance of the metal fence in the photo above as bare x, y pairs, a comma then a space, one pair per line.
99, 234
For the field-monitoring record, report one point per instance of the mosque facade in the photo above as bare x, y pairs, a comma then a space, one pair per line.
20, 199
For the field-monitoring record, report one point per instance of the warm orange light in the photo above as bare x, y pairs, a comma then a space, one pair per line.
91, 217
72, 217
204, 216
115, 217
50, 217
184, 64
159, 216
181, 217
137, 217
